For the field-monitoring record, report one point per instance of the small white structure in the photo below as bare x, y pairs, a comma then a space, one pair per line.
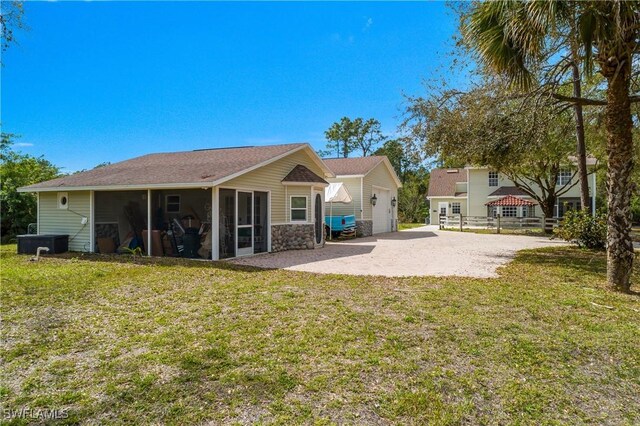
337, 192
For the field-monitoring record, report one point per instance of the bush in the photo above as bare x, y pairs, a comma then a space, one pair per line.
583, 229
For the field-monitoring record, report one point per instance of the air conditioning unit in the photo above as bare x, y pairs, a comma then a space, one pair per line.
63, 200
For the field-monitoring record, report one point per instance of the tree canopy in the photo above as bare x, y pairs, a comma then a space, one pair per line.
346, 136
18, 210
511, 37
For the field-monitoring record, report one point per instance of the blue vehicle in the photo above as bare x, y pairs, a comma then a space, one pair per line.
338, 226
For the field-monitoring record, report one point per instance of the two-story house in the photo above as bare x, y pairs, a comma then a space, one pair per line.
480, 191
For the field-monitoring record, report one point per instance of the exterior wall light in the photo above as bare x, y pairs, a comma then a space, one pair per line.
393, 202
374, 200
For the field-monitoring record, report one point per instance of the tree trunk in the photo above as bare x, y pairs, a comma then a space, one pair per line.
547, 206
620, 154
581, 151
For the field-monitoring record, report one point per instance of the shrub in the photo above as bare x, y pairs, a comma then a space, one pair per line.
583, 229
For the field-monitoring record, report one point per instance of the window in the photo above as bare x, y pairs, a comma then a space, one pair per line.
564, 177
525, 211
493, 178
173, 203
299, 209
509, 211
455, 208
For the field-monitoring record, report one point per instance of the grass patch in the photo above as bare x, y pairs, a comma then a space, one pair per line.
113, 340
403, 226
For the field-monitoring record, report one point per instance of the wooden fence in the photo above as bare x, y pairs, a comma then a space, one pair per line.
498, 223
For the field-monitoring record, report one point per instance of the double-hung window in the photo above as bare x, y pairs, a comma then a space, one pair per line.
564, 177
298, 209
455, 208
493, 178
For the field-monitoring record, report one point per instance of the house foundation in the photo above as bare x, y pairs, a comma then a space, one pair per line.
364, 228
292, 237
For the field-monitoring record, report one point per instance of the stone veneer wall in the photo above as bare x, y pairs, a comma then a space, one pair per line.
364, 228
292, 237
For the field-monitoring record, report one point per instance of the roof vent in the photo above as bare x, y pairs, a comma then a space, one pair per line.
452, 170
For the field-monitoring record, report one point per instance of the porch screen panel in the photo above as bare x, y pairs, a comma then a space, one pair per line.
227, 225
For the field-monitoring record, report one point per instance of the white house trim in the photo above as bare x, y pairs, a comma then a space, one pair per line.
215, 223
92, 223
38, 213
361, 197
149, 226
305, 184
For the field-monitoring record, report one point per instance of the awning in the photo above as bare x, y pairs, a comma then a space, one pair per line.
510, 201
337, 193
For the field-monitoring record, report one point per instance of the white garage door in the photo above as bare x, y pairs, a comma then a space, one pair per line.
382, 211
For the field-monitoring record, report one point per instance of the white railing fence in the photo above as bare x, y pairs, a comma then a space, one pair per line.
498, 222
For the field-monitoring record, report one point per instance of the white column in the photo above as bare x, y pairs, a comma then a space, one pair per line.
215, 224
38, 214
92, 222
149, 227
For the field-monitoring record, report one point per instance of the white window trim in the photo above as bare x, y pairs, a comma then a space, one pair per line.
453, 205
489, 179
166, 203
509, 207
306, 208
564, 177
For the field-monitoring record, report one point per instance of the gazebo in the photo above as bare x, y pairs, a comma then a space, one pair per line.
511, 206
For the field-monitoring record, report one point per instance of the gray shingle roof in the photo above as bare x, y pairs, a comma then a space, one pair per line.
302, 174
508, 190
442, 182
187, 167
353, 166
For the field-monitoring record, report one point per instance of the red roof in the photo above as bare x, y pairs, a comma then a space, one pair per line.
510, 201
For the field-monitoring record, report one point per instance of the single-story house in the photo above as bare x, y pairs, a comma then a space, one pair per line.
373, 185
238, 201
480, 191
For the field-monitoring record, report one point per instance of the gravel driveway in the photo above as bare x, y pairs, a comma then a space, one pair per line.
419, 251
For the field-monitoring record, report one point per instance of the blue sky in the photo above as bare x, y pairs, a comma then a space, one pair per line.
105, 81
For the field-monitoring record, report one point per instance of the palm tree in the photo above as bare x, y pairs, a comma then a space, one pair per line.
510, 37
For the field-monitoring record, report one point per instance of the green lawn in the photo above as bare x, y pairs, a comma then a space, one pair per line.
402, 226
179, 342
